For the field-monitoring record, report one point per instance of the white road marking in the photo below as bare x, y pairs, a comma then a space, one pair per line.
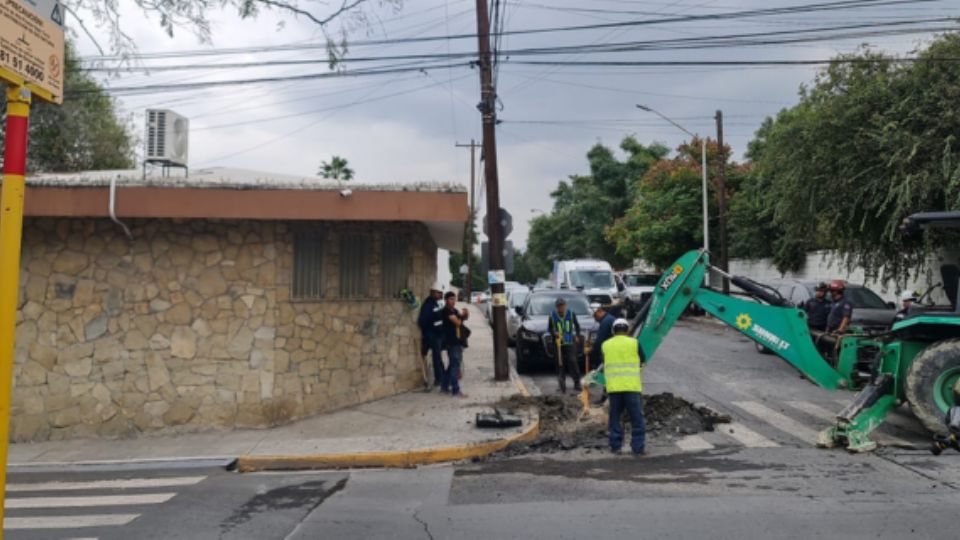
94, 500
127, 483
778, 420
814, 410
67, 522
693, 443
878, 436
746, 436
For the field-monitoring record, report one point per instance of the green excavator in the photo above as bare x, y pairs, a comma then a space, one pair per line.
917, 360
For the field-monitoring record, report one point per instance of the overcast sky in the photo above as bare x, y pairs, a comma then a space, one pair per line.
406, 124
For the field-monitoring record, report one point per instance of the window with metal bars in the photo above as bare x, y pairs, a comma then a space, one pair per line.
308, 265
394, 264
354, 265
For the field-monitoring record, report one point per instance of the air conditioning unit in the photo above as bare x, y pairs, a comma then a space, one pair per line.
167, 140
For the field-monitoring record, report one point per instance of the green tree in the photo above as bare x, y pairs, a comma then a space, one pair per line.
871, 141
336, 169
585, 206
85, 133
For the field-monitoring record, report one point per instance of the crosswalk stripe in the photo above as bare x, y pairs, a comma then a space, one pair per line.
780, 421
67, 522
693, 443
127, 483
815, 410
96, 500
746, 436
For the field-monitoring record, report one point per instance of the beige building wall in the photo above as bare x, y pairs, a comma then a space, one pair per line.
191, 326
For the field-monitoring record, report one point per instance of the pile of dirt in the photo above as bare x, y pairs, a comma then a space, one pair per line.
669, 414
565, 425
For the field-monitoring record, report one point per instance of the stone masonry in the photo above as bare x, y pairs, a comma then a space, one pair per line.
191, 326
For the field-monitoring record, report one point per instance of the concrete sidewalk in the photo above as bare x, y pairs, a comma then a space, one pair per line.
403, 430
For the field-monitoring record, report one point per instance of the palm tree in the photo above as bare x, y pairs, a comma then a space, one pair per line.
336, 169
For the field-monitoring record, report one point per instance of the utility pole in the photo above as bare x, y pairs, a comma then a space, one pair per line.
468, 278
722, 201
488, 111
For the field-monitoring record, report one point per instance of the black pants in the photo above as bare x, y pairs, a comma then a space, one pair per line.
571, 367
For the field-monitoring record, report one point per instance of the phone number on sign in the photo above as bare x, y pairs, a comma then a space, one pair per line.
21, 66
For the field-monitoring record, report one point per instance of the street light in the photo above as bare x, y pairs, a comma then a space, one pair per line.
703, 143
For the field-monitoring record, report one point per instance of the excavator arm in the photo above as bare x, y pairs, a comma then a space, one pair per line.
780, 328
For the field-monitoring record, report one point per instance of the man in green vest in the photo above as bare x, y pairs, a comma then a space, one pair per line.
565, 332
623, 362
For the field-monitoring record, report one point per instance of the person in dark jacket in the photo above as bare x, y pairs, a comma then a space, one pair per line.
841, 311
604, 332
453, 343
431, 330
818, 308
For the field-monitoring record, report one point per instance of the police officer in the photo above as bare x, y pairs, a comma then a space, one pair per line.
565, 331
623, 362
818, 308
604, 332
841, 310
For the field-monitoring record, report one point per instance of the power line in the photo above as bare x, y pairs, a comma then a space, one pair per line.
805, 8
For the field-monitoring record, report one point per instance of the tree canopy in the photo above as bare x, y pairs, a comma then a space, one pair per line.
586, 205
336, 169
86, 133
871, 141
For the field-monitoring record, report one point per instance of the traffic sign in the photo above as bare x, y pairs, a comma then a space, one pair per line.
507, 255
31, 46
506, 221
463, 269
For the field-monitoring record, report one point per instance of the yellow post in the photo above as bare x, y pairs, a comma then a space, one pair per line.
11, 230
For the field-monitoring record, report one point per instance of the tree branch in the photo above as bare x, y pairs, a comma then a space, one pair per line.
347, 6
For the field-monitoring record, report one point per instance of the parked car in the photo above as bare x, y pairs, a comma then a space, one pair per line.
515, 298
870, 312
595, 278
480, 298
534, 345
639, 287
508, 286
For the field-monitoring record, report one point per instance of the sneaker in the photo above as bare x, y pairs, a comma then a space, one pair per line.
615, 451
460, 395
642, 453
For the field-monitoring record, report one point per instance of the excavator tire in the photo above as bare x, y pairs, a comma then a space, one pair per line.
929, 383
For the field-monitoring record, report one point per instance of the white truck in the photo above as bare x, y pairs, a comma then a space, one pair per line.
593, 277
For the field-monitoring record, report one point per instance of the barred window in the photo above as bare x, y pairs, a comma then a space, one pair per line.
308, 265
354, 265
394, 263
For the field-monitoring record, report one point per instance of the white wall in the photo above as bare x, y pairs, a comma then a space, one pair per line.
821, 266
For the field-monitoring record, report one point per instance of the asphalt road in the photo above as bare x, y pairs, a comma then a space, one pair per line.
760, 477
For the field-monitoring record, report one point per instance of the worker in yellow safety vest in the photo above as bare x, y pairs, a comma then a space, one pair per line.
623, 361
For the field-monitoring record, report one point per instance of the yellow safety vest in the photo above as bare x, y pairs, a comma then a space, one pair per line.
621, 365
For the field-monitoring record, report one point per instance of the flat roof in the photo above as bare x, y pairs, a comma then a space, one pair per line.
224, 193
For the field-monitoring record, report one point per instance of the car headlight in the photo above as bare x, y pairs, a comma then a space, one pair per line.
528, 335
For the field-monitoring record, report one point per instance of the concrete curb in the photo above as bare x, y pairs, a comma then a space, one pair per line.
394, 459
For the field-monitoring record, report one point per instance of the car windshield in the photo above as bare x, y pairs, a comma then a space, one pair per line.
543, 305
862, 297
641, 280
591, 279
517, 298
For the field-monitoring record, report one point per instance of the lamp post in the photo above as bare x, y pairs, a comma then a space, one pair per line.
703, 144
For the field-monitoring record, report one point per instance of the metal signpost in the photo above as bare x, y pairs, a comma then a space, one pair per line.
31, 63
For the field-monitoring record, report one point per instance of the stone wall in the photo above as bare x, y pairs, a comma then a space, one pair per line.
191, 326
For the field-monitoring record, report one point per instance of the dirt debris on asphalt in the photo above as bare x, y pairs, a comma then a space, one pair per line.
565, 425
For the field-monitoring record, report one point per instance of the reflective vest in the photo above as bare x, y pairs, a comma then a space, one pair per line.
564, 326
621, 365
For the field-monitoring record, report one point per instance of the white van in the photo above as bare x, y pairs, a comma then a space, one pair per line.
595, 278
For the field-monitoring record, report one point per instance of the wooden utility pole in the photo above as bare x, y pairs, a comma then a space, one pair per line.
488, 112
722, 200
468, 278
